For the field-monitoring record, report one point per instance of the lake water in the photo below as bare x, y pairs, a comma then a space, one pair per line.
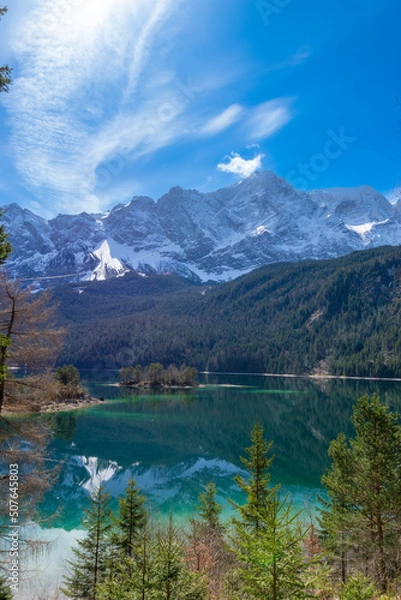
174, 442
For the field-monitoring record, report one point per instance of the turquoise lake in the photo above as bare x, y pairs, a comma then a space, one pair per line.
174, 442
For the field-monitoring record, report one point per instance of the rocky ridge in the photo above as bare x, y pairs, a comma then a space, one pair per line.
207, 237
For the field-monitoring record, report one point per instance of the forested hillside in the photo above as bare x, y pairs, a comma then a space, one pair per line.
338, 316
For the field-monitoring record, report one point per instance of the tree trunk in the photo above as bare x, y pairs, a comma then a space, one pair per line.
3, 349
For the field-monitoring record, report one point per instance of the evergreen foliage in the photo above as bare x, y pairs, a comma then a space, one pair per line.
68, 375
5, 246
361, 521
272, 561
358, 587
258, 487
92, 552
131, 578
339, 316
269, 553
131, 520
209, 509
172, 577
268, 539
5, 591
5, 82
155, 375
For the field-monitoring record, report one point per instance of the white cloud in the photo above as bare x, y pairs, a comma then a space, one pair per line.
223, 120
79, 97
91, 95
240, 166
301, 55
268, 118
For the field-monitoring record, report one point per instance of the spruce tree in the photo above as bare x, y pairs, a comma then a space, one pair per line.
5, 246
131, 578
5, 591
268, 539
91, 555
358, 587
172, 578
361, 521
258, 487
209, 509
131, 519
272, 561
5, 71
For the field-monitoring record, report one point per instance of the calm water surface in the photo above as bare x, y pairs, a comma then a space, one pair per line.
174, 442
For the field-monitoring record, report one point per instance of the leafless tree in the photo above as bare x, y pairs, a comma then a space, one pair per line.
31, 341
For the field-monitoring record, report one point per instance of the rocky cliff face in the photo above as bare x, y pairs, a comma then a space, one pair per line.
215, 236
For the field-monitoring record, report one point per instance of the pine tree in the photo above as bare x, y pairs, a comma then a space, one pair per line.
361, 521
5, 246
131, 519
258, 487
358, 587
272, 562
144, 577
172, 578
5, 591
131, 578
209, 509
5, 73
91, 555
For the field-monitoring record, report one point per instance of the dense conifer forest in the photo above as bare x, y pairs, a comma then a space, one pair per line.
340, 317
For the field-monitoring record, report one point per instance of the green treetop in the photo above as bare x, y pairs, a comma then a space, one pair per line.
91, 554
131, 519
361, 521
258, 487
209, 509
172, 578
272, 561
5, 71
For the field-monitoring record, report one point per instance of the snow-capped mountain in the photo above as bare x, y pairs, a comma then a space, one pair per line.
215, 236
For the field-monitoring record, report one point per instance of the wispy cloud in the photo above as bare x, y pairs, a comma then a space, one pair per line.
224, 120
268, 118
259, 122
70, 61
240, 166
294, 60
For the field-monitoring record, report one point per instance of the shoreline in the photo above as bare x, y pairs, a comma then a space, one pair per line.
89, 401
139, 386
52, 407
304, 376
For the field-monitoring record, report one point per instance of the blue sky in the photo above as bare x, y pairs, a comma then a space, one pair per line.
119, 98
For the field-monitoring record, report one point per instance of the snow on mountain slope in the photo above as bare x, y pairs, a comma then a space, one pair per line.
214, 236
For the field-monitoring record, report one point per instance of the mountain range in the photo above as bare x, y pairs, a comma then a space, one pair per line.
204, 237
340, 317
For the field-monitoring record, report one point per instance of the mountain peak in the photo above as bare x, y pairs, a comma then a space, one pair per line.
210, 236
